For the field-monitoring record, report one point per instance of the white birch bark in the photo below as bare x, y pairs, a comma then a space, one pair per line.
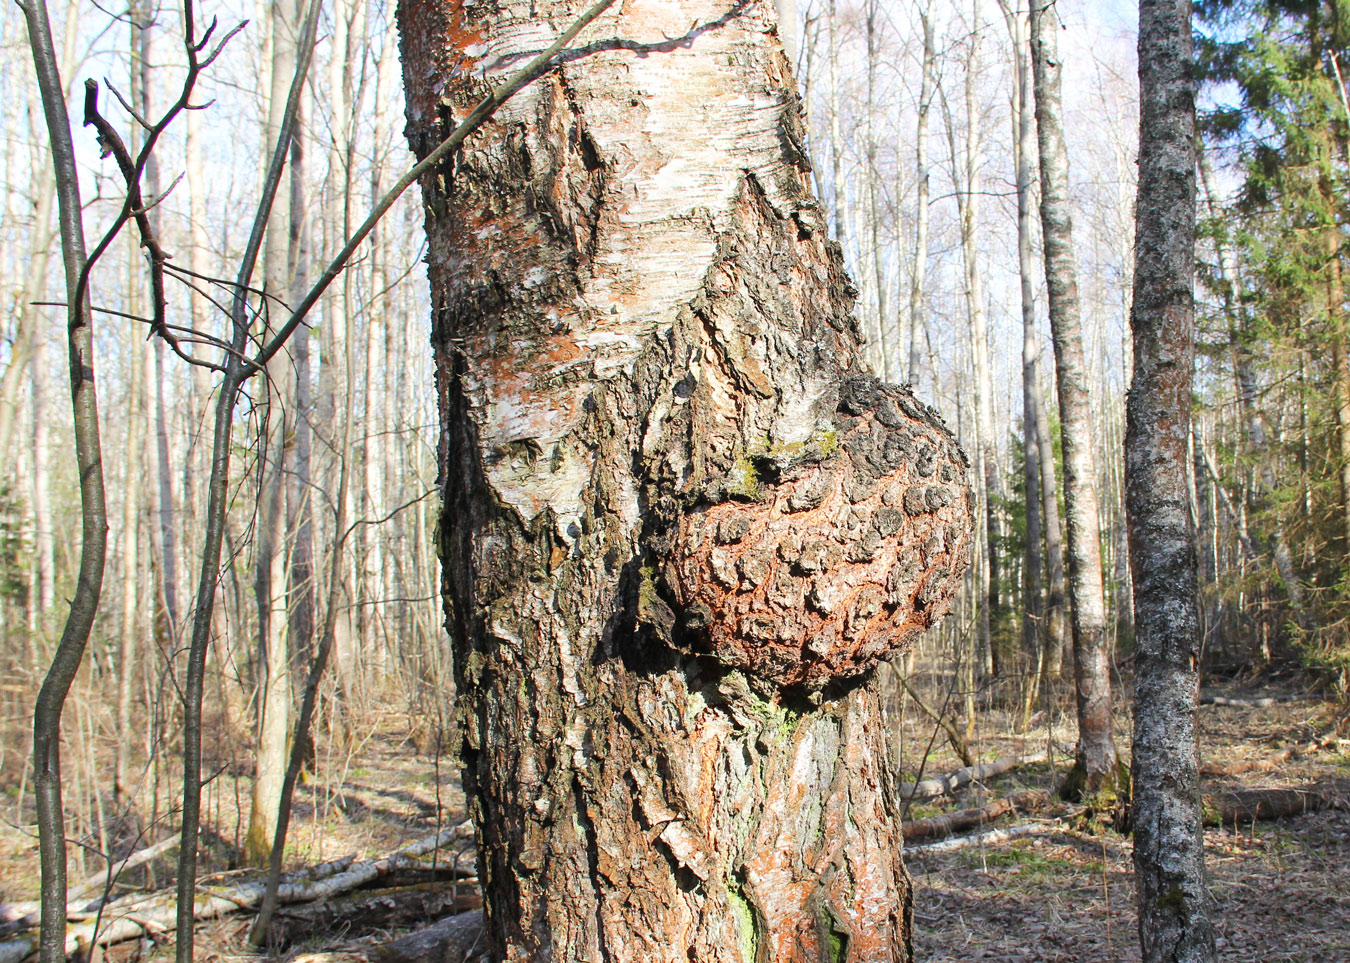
44, 534
916, 321
842, 214
1096, 761
271, 568
1035, 638
881, 296
969, 189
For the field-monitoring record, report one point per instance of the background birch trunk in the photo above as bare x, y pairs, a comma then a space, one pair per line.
35, 362
881, 292
44, 531
271, 565
966, 169
132, 646
917, 323
651, 423
843, 216
1095, 766
1173, 898
1033, 615
1056, 601
161, 534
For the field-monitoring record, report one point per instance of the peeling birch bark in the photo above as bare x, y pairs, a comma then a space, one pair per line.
681, 522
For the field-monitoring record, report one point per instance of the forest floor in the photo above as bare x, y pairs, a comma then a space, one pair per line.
1061, 893
1281, 888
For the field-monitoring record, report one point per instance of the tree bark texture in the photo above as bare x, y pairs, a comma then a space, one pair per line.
1095, 762
1174, 905
1056, 591
681, 524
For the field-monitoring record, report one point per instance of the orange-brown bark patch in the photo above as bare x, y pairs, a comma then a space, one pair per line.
837, 566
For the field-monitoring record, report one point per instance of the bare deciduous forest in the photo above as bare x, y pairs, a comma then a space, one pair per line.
719, 480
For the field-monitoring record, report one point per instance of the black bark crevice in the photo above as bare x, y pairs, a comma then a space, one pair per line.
597, 883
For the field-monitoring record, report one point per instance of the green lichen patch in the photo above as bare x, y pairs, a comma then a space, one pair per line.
747, 924
743, 480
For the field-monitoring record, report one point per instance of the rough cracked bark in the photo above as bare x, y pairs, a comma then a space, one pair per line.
681, 524
1095, 763
1174, 905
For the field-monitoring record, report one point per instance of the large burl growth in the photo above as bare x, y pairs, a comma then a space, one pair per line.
681, 521
830, 555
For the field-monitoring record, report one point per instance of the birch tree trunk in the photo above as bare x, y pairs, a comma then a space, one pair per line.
271, 573
131, 646
1033, 634
968, 200
28, 354
204, 318
1056, 595
299, 481
1169, 861
44, 533
919, 269
680, 525
1095, 763
842, 214
27, 317
873, 175
162, 534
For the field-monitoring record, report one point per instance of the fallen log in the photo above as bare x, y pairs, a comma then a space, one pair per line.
988, 838
1237, 807
138, 858
950, 783
156, 912
1272, 762
1249, 702
385, 908
17, 917
452, 940
949, 824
